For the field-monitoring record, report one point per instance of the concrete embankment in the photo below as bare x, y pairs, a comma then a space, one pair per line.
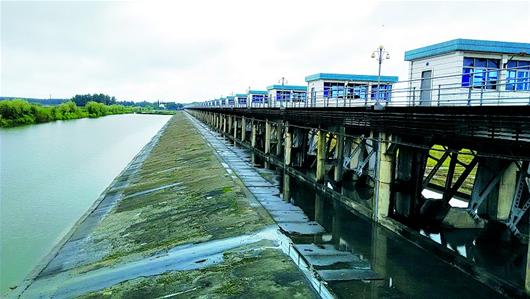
174, 223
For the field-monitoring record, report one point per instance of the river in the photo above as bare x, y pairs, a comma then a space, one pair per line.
50, 174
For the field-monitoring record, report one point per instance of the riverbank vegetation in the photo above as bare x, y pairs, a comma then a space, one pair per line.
19, 112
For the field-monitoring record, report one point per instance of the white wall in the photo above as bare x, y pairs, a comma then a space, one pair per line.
319, 89
447, 81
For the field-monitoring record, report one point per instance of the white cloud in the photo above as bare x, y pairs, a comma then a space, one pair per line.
190, 50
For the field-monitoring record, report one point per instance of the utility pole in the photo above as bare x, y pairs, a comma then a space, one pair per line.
380, 54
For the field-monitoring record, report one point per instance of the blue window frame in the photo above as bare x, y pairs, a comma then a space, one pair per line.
518, 75
360, 91
385, 93
333, 89
283, 95
480, 72
339, 90
259, 98
299, 96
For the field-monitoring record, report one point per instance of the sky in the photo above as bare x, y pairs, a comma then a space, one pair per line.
197, 50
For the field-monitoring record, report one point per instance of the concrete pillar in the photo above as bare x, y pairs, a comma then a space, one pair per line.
279, 139
235, 130
224, 124
230, 122
253, 141
485, 193
267, 141
267, 136
288, 146
243, 128
339, 154
321, 156
286, 187
336, 223
319, 209
507, 186
384, 175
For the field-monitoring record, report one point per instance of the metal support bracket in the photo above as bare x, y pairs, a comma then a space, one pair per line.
520, 196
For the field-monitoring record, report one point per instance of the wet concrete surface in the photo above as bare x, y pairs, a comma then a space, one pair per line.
185, 257
351, 255
78, 248
126, 245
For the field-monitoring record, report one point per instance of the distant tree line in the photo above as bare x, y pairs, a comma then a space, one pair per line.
16, 112
46, 102
82, 100
20, 112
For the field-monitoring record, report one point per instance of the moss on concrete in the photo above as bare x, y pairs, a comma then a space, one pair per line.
251, 272
183, 195
206, 204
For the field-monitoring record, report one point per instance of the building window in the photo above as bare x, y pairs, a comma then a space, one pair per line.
299, 96
259, 98
333, 89
518, 75
241, 100
353, 91
358, 91
283, 95
480, 73
384, 94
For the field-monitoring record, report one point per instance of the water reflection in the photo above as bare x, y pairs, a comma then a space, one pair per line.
384, 264
395, 268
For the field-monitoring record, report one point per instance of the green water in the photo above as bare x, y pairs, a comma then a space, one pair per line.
50, 174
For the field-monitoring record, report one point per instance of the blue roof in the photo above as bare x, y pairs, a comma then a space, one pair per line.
257, 92
241, 95
468, 45
349, 77
230, 97
287, 87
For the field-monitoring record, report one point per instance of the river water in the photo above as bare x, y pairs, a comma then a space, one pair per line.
50, 174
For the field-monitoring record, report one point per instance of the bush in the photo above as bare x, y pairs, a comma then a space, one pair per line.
20, 112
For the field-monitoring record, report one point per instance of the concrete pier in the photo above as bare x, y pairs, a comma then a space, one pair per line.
253, 138
384, 175
339, 155
507, 186
267, 148
321, 156
243, 129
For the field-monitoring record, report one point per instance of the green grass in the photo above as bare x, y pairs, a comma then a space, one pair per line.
464, 155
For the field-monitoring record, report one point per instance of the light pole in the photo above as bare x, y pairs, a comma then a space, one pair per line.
380, 54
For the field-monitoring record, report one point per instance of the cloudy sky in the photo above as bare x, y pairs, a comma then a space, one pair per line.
194, 50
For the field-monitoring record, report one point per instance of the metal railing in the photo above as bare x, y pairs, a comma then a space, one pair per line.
449, 90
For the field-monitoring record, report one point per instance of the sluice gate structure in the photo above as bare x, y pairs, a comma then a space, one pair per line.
427, 169
441, 159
